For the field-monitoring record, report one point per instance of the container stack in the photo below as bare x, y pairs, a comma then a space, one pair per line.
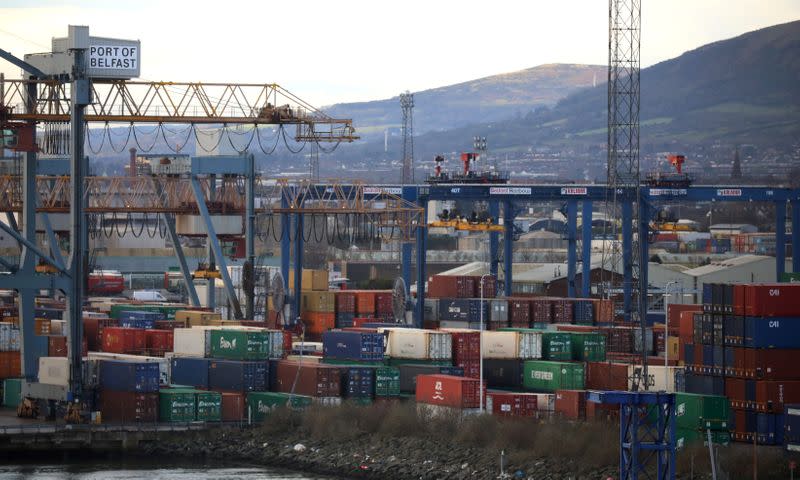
460, 304
744, 346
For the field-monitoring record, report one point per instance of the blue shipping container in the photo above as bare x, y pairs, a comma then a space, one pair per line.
707, 293
129, 377
792, 422
583, 312
772, 332
769, 428
238, 376
344, 320
190, 371
353, 345
358, 382
49, 313
141, 323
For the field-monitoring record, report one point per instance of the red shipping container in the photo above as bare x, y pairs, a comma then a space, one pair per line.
448, 391
541, 310
489, 287
345, 302
674, 311
686, 326
471, 366
173, 324
383, 302
738, 298
124, 340
601, 411
127, 407
771, 300
452, 286
10, 365
466, 345
470, 286
771, 364
519, 311
580, 328
158, 342
312, 379
93, 331
735, 390
512, 404
317, 323
606, 376
772, 395
233, 408
571, 404
57, 346
562, 311
603, 310
365, 302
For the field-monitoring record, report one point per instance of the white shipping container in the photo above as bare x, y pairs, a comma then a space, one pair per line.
163, 362
546, 402
530, 345
498, 310
9, 337
191, 342
58, 327
496, 344
414, 343
660, 378
307, 346
440, 345
54, 371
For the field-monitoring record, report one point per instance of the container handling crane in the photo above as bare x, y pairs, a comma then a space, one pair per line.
467, 174
676, 179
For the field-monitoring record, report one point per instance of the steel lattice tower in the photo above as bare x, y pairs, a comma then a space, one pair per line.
313, 162
624, 35
407, 104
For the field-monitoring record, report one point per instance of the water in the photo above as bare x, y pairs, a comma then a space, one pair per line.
125, 470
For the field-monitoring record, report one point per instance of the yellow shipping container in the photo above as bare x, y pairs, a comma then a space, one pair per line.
311, 280
674, 347
41, 326
322, 302
196, 317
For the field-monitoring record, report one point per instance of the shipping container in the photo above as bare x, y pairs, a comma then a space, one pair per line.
124, 340
345, 301
12, 392
318, 301
498, 310
189, 371
9, 337
129, 376
233, 406
551, 376
93, 331
448, 390
503, 373
387, 381
408, 343
127, 406
208, 406
556, 346
769, 300
314, 380
197, 317
158, 342
358, 382
660, 378
693, 410
344, 320
191, 342
772, 332
771, 364
316, 323
239, 344
261, 404
238, 376
562, 311
54, 371
606, 376
571, 404
409, 374
583, 312
588, 347
512, 404
177, 405
356, 346
365, 302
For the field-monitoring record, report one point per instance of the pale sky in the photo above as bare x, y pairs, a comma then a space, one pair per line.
329, 52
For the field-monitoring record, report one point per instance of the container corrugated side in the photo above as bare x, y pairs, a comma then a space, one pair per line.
551, 376
497, 344
191, 342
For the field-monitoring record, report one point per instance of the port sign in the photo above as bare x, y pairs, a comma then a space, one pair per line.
118, 57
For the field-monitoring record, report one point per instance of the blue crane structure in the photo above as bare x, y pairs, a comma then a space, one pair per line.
510, 196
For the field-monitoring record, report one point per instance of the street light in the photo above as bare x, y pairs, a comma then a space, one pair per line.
480, 347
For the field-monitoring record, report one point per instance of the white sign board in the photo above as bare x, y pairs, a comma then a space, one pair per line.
117, 57
509, 191
574, 191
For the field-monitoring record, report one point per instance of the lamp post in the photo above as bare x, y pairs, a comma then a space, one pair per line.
480, 348
666, 330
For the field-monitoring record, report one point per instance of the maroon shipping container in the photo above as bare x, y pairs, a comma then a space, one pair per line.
770, 299
383, 303
512, 404
772, 395
158, 342
736, 391
606, 376
345, 302
489, 287
451, 286
448, 390
314, 380
56, 346
541, 310
466, 345
519, 311
93, 331
771, 364
602, 411
233, 408
173, 324
126, 407
124, 340
571, 404
471, 366
620, 339
562, 311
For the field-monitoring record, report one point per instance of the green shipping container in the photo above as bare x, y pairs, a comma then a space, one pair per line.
176, 405
685, 437
588, 347
260, 404
167, 310
387, 381
551, 376
12, 392
692, 410
239, 345
209, 406
556, 346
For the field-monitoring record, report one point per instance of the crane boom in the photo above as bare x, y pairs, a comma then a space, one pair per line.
170, 102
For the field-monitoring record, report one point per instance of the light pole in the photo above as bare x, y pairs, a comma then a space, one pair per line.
480, 346
666, 330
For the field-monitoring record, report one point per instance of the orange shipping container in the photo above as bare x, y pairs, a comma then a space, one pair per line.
571, 404
10, 365
41, 326
365, 302
317, 322
603, 310
686, 326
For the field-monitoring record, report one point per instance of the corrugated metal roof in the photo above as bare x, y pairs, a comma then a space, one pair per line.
725, 264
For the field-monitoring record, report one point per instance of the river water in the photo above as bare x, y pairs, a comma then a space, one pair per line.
126, 470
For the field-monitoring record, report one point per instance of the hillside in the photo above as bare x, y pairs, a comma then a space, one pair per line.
483, 100
743, 90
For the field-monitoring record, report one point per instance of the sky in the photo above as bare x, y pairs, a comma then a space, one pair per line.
330, 52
